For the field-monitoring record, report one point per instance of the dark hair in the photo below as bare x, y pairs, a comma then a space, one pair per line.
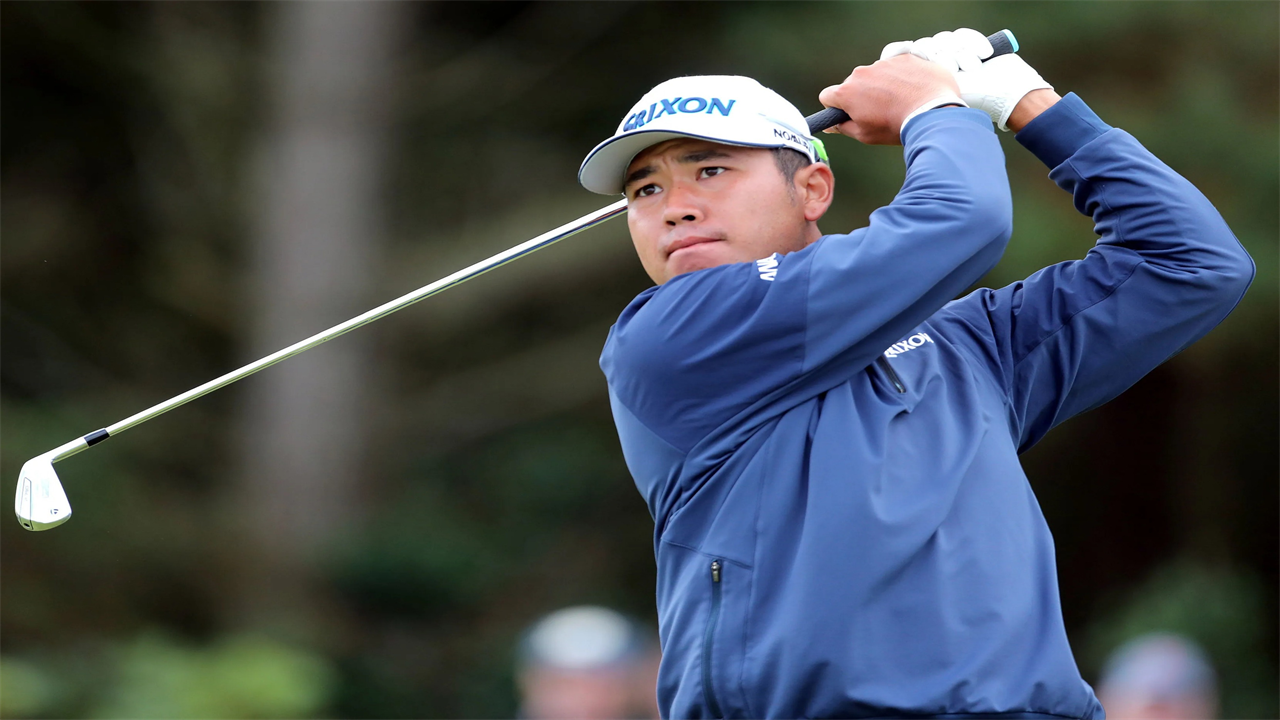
789, 161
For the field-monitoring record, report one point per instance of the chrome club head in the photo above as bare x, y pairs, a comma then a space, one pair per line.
41, 503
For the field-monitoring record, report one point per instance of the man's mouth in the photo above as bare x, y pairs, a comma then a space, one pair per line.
685, 242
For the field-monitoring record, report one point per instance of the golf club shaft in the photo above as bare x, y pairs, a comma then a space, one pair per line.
586, 221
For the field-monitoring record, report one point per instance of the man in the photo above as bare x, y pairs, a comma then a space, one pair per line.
828, 446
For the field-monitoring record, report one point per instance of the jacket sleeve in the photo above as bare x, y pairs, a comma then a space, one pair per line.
1164, 272
722, 346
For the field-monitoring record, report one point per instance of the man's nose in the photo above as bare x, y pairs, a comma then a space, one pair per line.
682, 205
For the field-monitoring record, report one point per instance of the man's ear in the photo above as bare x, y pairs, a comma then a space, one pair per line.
815, 189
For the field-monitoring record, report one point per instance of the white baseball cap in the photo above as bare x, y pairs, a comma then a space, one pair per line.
585, 637
727, 109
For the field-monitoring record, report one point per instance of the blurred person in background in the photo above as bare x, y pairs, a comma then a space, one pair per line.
1159, 675
587, 662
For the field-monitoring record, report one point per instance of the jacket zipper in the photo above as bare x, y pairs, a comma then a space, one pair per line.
708, 642
883, 362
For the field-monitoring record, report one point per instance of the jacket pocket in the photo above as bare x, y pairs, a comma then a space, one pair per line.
709, 640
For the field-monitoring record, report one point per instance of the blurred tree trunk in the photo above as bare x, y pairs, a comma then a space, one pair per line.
318, 226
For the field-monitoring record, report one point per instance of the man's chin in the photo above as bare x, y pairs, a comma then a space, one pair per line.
697, 257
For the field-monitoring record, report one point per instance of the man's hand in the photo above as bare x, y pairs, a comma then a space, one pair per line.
997, 86
879, 98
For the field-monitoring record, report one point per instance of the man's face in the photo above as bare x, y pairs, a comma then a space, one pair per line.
694, 204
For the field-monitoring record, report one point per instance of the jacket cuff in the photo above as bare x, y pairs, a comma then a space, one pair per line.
1057, 133
915, 126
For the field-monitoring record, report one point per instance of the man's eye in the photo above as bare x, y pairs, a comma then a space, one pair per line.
710, 172
646, 191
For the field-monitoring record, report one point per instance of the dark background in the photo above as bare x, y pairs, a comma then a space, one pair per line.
365, 530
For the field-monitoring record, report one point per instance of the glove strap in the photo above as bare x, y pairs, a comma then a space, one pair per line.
940, 101
1009, 103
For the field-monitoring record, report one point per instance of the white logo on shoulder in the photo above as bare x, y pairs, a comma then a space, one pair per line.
768, 267
909, 344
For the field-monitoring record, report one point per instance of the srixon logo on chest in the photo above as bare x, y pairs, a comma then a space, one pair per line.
672, 106
910, 343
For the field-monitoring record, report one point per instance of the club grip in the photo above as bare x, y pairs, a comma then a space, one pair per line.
1002, 43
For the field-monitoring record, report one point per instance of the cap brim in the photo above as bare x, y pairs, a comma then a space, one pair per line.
602, 172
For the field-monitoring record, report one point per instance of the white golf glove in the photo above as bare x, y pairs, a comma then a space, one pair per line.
995, 86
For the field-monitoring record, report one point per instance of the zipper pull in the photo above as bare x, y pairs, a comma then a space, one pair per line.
883, 362
715, 571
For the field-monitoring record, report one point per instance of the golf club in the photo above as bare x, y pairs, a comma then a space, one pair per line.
40, 501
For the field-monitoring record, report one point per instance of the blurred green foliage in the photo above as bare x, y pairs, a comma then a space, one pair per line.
26, 688
495, 491
155, 676
240, 676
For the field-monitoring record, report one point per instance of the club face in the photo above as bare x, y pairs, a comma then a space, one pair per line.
41, 503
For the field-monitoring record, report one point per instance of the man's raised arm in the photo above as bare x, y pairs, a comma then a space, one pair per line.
1165, 270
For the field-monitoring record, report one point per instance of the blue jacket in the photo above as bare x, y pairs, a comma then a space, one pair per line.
829, 448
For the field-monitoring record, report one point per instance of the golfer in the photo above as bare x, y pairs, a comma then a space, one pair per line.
827, 441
